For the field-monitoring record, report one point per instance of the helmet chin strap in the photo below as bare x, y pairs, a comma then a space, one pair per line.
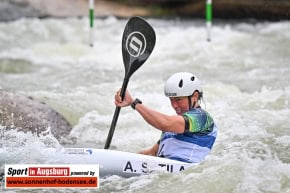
190, 105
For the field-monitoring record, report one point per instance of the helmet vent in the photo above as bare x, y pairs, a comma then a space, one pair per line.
192, 78
180, 83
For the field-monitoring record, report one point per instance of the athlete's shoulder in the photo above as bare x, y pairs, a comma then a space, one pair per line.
197, 112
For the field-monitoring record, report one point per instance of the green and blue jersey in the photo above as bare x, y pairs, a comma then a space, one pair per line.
195, 143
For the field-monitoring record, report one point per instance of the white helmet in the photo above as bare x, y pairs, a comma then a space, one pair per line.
182, 84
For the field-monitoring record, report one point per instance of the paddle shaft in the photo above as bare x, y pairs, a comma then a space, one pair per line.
116, 114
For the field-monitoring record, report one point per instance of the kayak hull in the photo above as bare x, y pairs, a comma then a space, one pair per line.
126, 164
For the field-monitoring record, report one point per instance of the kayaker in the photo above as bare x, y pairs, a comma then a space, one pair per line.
187, 136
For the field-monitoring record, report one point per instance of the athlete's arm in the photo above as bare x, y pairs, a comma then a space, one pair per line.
173, 123
151, 151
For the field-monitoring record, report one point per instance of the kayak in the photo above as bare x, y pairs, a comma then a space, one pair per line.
126, 164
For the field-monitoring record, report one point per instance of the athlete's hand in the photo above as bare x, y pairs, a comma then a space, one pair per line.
127, 100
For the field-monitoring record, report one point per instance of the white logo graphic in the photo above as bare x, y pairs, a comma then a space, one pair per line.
136, 44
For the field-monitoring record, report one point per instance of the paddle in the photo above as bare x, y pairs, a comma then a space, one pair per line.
137, 44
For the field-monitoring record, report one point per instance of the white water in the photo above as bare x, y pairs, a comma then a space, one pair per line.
245, 75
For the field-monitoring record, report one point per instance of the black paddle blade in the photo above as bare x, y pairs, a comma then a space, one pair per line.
137, 44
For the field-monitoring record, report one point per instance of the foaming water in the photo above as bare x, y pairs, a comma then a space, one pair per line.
244, 71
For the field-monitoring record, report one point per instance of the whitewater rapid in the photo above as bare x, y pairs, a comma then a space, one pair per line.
244, 72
